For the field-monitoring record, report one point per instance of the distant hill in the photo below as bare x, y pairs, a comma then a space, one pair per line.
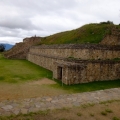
8, 46
89, 33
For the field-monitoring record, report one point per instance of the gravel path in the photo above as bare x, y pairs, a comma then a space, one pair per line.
25, 106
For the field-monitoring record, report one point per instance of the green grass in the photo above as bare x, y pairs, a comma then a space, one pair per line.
104, 113
79, 114
13, 71
85, 87
116, 118
109, 111
116, 59
90, 33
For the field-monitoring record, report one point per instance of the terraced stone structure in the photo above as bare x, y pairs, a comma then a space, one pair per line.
20, 50
74, 64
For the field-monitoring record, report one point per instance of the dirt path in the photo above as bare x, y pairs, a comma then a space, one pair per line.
44, 81
31, 89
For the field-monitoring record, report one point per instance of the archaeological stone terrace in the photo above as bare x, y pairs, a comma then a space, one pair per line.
74, 64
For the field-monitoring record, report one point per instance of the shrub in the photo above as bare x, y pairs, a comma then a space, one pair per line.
2, 48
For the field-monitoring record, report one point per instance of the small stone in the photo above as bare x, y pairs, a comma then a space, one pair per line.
37, 106
74, 99
24, 111
7, 107
48, 99
14, 104
53, 101
76, 104
16, 112
97, 98
69, 98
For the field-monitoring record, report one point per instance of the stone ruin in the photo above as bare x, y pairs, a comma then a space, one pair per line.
20, 50
113, 38
74, 63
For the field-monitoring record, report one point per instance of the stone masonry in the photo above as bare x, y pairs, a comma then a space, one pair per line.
20, 50
74, 64
113, 38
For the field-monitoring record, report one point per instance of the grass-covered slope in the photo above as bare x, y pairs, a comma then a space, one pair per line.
90, 33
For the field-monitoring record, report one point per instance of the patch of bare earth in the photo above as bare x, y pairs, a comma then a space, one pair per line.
44, 81
38, 88
88, 112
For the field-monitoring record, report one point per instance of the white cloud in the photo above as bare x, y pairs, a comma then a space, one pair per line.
20, 18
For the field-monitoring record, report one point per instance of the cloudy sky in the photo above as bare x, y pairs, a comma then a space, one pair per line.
25, 18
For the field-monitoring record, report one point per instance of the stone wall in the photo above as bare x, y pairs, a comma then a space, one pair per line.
47, 62
74, 70
20, 50
87, 71
80, 72
83, 51
113, 38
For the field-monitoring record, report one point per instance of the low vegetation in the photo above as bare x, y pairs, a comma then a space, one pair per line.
85, 87
89, 33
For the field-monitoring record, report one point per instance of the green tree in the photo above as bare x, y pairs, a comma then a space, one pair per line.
2, 48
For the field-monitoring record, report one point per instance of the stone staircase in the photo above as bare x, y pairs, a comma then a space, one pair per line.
20, 50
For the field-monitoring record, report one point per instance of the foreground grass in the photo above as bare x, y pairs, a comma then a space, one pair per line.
13, 71
106, 111
85, 87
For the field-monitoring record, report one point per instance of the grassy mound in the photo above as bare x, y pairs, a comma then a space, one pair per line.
90, 33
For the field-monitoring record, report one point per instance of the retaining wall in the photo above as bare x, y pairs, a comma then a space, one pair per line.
78, 51
87, 71
75, 71
47, 62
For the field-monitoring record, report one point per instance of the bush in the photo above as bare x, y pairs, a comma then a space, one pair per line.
2, 48
108, 22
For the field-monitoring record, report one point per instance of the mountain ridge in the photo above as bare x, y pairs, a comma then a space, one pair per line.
7, 46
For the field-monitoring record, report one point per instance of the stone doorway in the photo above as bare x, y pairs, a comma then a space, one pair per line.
59, 73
